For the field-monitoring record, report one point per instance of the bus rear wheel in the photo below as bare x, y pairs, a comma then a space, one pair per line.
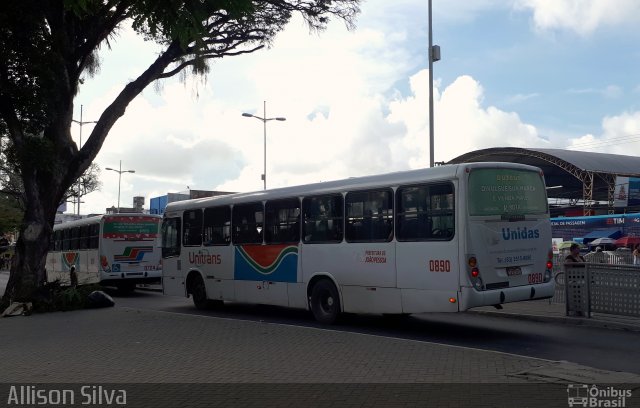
325, 302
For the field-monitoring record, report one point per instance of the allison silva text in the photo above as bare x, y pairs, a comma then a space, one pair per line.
96, 395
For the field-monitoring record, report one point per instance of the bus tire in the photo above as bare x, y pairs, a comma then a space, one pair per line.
198, 292
126, 288
325, 302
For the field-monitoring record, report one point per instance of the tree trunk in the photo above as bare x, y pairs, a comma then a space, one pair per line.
28, 266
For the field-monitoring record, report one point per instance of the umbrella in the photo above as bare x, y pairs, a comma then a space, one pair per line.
627, 241
567, 244
602, 241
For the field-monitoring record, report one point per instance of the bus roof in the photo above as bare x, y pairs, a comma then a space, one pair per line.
446, 172
97, 218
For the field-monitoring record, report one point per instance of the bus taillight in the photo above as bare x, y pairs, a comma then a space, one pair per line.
474, 272
548, 272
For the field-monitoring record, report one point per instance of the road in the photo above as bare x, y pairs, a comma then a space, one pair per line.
609, 349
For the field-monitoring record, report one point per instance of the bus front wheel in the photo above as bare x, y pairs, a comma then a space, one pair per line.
325, 302
199, 293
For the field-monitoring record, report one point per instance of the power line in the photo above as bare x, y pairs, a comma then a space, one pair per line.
632, 138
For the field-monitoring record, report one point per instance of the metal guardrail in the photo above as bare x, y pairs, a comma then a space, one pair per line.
600, 288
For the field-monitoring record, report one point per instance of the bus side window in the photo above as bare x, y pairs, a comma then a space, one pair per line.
282, 221
425, 212
217, 226
369, 216
57, 237
84, 236
94, 236
192, 224
66, 239
247, 223
323, 219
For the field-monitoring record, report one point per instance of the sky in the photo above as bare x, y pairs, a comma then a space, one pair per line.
520, 73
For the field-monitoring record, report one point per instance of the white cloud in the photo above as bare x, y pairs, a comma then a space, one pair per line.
609, 92
581, 16
519, 98
345, 96
200, 143
612, 92
620, 135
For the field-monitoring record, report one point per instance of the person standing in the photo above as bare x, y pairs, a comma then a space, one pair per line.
574, 255
636, 255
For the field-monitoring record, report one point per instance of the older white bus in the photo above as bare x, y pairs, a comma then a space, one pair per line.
114, 250
444, 239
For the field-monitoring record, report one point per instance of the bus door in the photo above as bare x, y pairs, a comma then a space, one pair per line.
172, 273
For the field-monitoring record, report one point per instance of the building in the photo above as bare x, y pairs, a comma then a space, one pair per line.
158, 204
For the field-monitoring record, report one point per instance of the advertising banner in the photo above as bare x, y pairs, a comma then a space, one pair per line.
621, 195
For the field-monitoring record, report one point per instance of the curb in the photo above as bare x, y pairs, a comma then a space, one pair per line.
576, 321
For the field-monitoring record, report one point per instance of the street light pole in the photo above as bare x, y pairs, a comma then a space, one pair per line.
119, 171
264, 120
434, 55
81, 123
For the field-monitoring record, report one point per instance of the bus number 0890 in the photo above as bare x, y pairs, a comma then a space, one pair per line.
439, 265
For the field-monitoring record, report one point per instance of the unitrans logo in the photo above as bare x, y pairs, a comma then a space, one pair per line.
520, 233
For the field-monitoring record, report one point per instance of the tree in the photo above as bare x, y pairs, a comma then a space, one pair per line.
49, 47
10, 214
11, 184
88, 182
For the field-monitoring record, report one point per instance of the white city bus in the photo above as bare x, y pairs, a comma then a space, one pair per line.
444, 239
114, 250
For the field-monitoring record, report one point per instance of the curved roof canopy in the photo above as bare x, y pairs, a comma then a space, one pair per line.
568, 173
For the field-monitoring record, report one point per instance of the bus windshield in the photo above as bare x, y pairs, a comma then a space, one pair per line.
499, 191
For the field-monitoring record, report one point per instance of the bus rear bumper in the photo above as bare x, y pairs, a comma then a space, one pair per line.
469, 297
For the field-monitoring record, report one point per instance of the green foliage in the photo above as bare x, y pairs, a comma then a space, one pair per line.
10, 214
167, 20
53, 297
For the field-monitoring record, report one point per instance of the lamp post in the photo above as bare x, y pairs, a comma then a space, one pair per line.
264, 120
119, 171
81, 123
434, 55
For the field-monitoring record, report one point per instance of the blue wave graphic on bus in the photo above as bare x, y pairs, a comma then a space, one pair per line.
284, 269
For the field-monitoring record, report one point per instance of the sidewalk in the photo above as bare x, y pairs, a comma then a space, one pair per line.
167, 359
163, 359
544, 311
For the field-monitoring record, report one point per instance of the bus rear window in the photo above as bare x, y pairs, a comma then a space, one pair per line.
506, 192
